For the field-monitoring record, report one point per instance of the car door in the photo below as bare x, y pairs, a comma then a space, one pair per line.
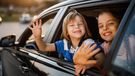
121, 60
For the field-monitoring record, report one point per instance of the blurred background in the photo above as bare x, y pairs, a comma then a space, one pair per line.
16, 14
11, 10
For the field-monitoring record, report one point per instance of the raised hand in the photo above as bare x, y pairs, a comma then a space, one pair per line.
84, 53
36, 28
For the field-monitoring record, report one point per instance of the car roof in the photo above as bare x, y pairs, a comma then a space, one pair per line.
66, 3
69, 3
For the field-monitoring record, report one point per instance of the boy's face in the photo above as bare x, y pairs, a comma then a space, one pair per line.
107, 25
76, 28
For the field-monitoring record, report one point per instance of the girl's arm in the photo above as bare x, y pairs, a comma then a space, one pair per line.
36, 29
43, 46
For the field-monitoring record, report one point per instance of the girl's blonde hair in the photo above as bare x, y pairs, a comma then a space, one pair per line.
70, 16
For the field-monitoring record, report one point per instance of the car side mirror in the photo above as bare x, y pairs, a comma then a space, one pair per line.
7, 41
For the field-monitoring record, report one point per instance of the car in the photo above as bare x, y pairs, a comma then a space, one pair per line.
23, 58
25, 18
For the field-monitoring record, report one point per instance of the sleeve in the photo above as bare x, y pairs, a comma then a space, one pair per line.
59, 47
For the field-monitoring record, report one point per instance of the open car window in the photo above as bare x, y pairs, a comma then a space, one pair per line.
47, 20
46, 24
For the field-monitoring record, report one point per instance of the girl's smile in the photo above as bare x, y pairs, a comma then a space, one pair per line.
76, 28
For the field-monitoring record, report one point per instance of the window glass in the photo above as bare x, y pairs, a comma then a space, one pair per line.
126, 53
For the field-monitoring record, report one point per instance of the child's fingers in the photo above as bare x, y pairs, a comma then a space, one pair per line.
29, 26
75, 66
84, 47
40, 23
90, 54
91, 62
91, 48
33, 25
83, 70
36, 23
81, 47
78, 71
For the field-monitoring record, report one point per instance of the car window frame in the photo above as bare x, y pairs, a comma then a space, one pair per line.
118, 38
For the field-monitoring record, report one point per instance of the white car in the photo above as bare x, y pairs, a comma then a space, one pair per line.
25, 18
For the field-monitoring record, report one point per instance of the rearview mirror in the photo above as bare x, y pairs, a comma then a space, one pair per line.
7, 41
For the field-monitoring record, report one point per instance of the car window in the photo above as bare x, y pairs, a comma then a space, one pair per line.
46, 26
126, 53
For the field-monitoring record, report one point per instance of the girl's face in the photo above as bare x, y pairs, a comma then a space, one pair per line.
107, 25
76, 28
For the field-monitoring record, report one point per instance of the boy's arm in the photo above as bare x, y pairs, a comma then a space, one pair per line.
100, 57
